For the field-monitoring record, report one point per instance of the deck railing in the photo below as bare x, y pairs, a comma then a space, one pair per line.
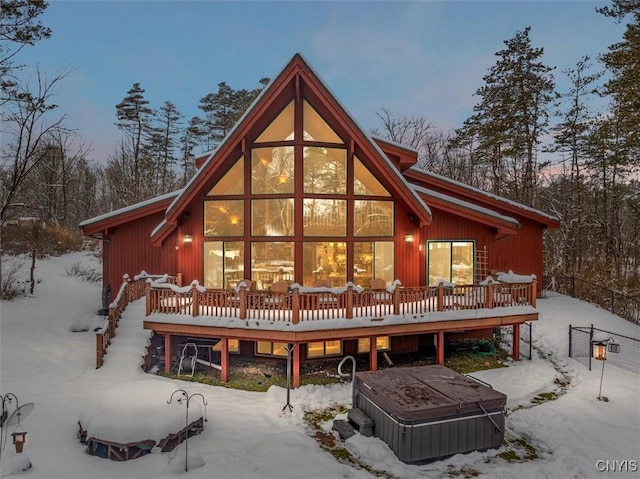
314, 304
130, 290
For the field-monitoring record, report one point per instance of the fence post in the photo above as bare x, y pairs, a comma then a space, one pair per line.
440, 297
570, 341
349, 305
590, 343
613, 307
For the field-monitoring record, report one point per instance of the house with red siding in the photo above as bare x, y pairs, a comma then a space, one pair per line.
301, 229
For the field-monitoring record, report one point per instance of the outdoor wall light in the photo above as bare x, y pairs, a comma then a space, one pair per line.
19, 438
187, 239
408, 238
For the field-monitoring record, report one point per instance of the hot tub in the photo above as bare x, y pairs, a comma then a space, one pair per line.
429, 412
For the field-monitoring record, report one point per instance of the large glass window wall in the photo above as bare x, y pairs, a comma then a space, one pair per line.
345, 231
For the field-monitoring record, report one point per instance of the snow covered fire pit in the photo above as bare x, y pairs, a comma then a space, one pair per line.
131, 419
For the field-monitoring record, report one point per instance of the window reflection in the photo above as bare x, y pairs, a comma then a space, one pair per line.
272, 217
271, 262
451, 261
373, 259
272, 170
373, 218
223, 264
224, 218
324, 261
325, 170
325, 217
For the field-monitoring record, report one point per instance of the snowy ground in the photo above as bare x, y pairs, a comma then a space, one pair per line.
247, 434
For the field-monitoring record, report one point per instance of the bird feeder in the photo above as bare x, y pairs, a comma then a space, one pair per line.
19, 438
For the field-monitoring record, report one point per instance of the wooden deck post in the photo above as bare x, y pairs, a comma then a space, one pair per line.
147, 292
349, 305
534, 293
224, 360
440, 348
489, 295
373, 354
167, 353
296, 364
295, 306
440, 297
179, 279
195, 307
243, 301
516, 342
396, 300
99, 351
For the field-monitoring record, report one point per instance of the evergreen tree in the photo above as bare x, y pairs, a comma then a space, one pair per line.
222, 111
19, 26
135, 120
512, 116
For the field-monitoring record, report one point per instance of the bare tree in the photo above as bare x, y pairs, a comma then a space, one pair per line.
26, 126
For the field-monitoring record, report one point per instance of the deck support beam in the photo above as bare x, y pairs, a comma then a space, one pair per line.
224, 360
167, 353
440, 348
516, 342
373, 354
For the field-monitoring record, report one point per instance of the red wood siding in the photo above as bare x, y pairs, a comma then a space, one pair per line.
135, 253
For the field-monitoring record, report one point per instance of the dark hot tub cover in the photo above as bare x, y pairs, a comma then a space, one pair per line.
427, 393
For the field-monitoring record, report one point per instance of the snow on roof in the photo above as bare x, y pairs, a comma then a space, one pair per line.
485, 193
391, 142
466, 204
126, 209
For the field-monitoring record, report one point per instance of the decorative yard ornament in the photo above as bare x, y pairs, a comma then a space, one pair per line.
186, 397
601, 344
289, 349
6, 420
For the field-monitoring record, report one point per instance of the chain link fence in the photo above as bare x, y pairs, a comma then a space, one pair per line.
626, 307
581, 349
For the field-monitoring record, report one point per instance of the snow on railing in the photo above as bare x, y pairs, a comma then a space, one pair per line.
323, 303
129, 291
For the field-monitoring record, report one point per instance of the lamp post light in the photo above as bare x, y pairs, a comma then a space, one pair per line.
600, 347
184, 396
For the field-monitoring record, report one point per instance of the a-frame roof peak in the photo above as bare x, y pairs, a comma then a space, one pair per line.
297, 72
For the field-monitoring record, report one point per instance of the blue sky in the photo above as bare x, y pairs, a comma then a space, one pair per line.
423, 58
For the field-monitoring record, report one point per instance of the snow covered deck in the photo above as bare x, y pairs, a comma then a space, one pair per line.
305, 315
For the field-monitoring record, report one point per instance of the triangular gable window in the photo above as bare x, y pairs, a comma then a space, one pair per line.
315, 128
280, 129
365, 183
232, 183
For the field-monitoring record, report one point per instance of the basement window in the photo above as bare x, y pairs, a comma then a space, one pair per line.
383, 343
268, 348
320, 349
